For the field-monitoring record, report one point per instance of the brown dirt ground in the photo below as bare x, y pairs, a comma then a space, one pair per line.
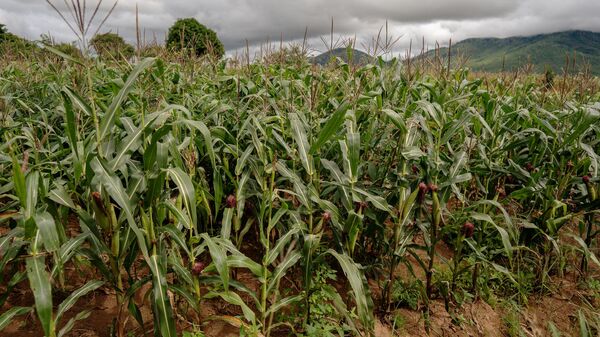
476, 319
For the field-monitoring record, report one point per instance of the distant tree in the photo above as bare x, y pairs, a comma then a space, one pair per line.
6, 36
111, 45
189, 34
79, 17
67, 48
11, 44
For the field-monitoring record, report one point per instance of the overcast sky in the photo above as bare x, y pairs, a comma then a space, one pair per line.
260, 20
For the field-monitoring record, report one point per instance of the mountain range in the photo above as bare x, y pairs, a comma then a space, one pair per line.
543, 51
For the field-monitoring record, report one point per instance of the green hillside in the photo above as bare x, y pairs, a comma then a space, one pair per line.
544, 50
357, 56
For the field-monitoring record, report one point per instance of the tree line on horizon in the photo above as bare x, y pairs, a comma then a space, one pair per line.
185, 35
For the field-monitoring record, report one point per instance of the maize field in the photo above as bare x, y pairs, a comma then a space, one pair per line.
292, 199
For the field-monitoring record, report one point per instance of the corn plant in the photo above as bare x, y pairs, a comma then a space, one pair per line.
211, 183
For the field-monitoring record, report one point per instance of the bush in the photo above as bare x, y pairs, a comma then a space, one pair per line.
67, 48
189, 34
14, 46
111, 45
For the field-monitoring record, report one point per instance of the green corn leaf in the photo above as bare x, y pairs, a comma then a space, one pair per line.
71, 124
40, 284
241, 195
284, 302
32, 183
360, 292
71, 323
216, 281
508, 248
593, 156
353, 143
191, 298
118, 193
180, 215
226, 223
49, 233
177, 236
200, 126
70, 301
19, 182
60, 196
282, 268
219, 258
135, 311
311, 243
377, 201
131, 143
184, 275
553, 330
218, 188
110, 181
110, 115
186, 188
299, 187
239, 260
256, 141
162, 303
396, 119
9, 314
353, 227
242, 161
331, 127
586, 250
68, 249
235, 299
280, 245
335, 171
277, 217
301, 140
75, 101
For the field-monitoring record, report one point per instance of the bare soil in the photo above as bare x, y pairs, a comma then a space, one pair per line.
476, 318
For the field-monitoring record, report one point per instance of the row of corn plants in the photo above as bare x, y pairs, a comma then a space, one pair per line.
190, 179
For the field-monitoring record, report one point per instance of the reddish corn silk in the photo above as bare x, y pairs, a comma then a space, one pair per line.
501, 191
96, 196
432, 187
586, 179
468, 229
423, 189
415, 169
570, 165
326, 217
230, 202
529, 167
198, 267
361, 205
98, 200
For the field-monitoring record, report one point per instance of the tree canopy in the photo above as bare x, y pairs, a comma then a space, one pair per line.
189, 34
111, 45
6, 36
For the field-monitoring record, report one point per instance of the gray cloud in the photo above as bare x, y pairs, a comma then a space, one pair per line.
258, 20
